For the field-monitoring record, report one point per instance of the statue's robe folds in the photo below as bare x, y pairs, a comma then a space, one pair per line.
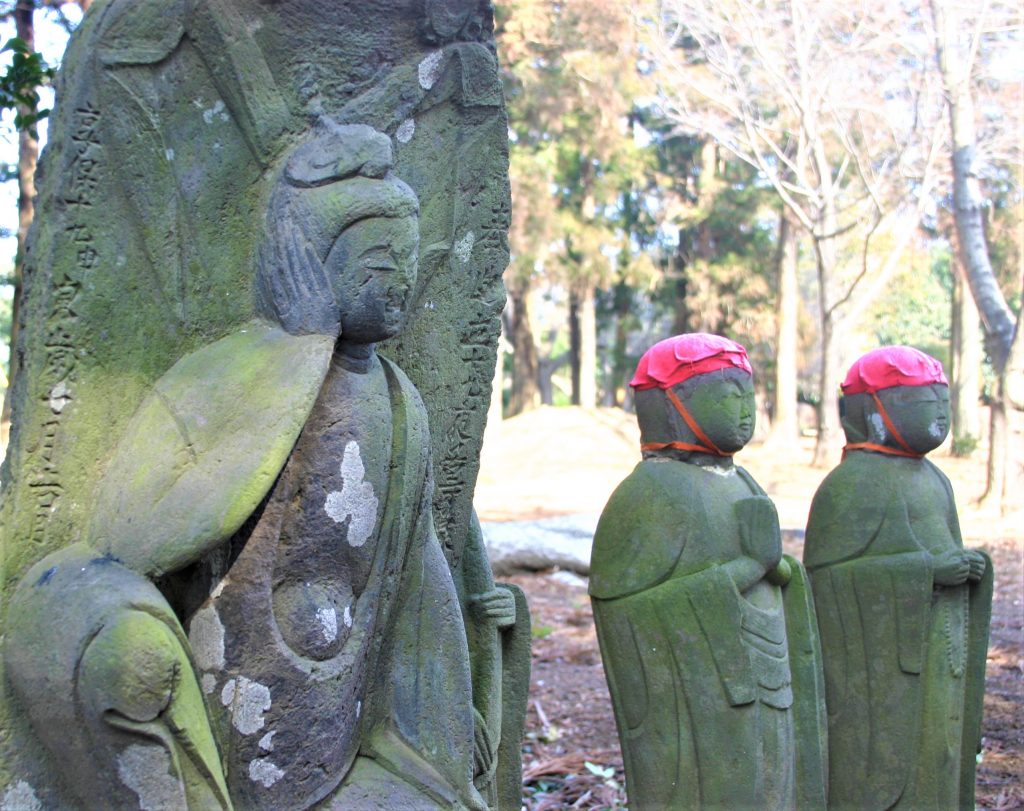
358, 728
717, 700
904, 657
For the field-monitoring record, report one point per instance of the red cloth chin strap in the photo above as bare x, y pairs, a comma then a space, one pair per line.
903, 450
707, 445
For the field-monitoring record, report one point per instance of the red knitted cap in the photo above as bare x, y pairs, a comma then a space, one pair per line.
681, 357
892, 366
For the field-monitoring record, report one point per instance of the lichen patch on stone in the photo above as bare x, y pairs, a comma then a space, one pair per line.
267, 741
464, 247
206, 638
20, 796
60, 396
430, 70
355, 501
264, 772
328, 619
146, 770
405, 131
248, 701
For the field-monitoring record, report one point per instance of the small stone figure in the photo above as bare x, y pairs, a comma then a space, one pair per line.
903, 609
706, 629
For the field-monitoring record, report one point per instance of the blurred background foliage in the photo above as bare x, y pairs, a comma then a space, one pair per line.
778, 172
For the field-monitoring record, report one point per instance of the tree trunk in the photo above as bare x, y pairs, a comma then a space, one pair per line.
953, 48
574, 348
680, 289
994, 496
832, 333
785, 429
524, 354
965, 378
952, 51
583, 346
28, 155
588, 347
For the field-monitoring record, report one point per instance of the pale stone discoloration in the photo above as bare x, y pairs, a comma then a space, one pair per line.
267, 741
405, 131
328, 619
216, 111
20, 796
248, 701
464, 247
347, 617
263, 771
430, 70
60, 396
206, 637
355, 501
146, 770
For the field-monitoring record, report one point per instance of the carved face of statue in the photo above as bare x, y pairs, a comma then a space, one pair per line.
723, 405
919, 413
372, 269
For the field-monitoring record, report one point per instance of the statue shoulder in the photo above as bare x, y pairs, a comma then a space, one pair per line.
644, 528
848, 508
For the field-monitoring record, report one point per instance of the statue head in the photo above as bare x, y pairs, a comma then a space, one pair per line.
341, 248
896, 401
694, 393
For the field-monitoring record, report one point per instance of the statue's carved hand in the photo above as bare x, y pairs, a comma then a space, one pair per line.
497, 606
977, 565
760, 538
952, 568
781, 574
297, 288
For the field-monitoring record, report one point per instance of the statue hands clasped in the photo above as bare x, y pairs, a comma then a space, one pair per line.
956, 566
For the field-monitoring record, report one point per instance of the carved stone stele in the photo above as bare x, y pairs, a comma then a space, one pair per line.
240, 564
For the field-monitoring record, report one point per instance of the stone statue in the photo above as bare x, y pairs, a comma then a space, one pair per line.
903, 609
706, 630
239, 571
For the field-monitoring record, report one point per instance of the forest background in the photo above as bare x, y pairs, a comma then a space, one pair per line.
812, 179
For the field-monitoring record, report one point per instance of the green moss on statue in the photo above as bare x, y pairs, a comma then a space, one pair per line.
903, 609
228, 576
706, 630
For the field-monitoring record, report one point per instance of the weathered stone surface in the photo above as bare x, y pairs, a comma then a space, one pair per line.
195, 462
706, 629
903, 610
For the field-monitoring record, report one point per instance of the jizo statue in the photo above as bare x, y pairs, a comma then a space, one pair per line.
240, 571
706, 629
903, 609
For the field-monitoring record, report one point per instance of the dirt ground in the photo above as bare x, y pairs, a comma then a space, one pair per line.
564, 461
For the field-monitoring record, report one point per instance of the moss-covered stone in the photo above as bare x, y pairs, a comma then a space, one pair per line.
178, 343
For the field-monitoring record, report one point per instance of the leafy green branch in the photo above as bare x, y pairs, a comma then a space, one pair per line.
20, 83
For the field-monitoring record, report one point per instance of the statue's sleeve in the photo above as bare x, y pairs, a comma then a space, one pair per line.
979, 608
205, 446
873, 618
809, 715
640, 535
846, 514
